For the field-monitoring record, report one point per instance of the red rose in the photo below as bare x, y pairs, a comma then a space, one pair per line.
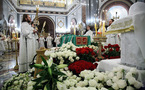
92, 53
117, 49
105, 47
111, 57
103, 50
111, 50
83, 51
116, 45
109, 45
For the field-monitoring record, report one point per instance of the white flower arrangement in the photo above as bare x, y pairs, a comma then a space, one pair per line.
116, 79
17, 82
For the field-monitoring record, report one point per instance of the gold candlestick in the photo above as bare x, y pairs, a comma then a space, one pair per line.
99, 40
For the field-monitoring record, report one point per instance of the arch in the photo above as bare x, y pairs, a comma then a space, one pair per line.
110, 3
49, 27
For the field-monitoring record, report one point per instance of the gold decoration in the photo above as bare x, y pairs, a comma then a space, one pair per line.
60, 24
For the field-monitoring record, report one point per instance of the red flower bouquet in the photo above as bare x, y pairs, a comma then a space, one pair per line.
86, 54
81, 65
111, 51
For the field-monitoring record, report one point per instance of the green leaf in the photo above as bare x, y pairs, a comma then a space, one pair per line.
43, 59
47, 87
38, 66
58, 73
62, 66
50, 71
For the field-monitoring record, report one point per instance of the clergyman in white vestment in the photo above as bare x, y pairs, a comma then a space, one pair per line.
41, 41
57, 40
27, 44
49, 41
89, 33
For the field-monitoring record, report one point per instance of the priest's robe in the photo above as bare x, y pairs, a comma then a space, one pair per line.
57, 41
49, 41
27, 48
41, 41
89, 33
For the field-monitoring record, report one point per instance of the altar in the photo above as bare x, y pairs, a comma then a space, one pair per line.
77, 40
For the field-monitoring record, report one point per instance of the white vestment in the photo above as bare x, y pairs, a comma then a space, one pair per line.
41, 41
36, 41
2, 47
89, 33
49, 41
57, 41
27, 48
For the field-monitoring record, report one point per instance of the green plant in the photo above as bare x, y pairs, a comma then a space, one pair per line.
49, 76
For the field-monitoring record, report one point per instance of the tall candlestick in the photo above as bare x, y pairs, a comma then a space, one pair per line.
103, 28
96, 29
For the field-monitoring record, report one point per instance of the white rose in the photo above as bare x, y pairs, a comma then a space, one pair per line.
80, 84
16, 82
30, 88
120, 69
72, 60
66, 68
77, 58
74, 76
103, 88
138, 85
78, 78
91, 88
20, 81
85, 82
72, 84
129, 88
111, 75
59, 86
73, 49
121, 84
99, 85
38, 76
115, 86
119, 75
133, 70
92, 83
60, 62
115, 79
101, 77
131, 80
109, 82
96, 78
128, 75
66, 82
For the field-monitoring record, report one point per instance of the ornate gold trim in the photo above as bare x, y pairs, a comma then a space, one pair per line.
131, 28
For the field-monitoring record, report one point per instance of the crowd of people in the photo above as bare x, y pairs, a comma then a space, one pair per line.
30, 42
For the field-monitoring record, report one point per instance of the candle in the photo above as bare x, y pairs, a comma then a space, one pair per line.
96, 29
74, 30
17, 34
103, 28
